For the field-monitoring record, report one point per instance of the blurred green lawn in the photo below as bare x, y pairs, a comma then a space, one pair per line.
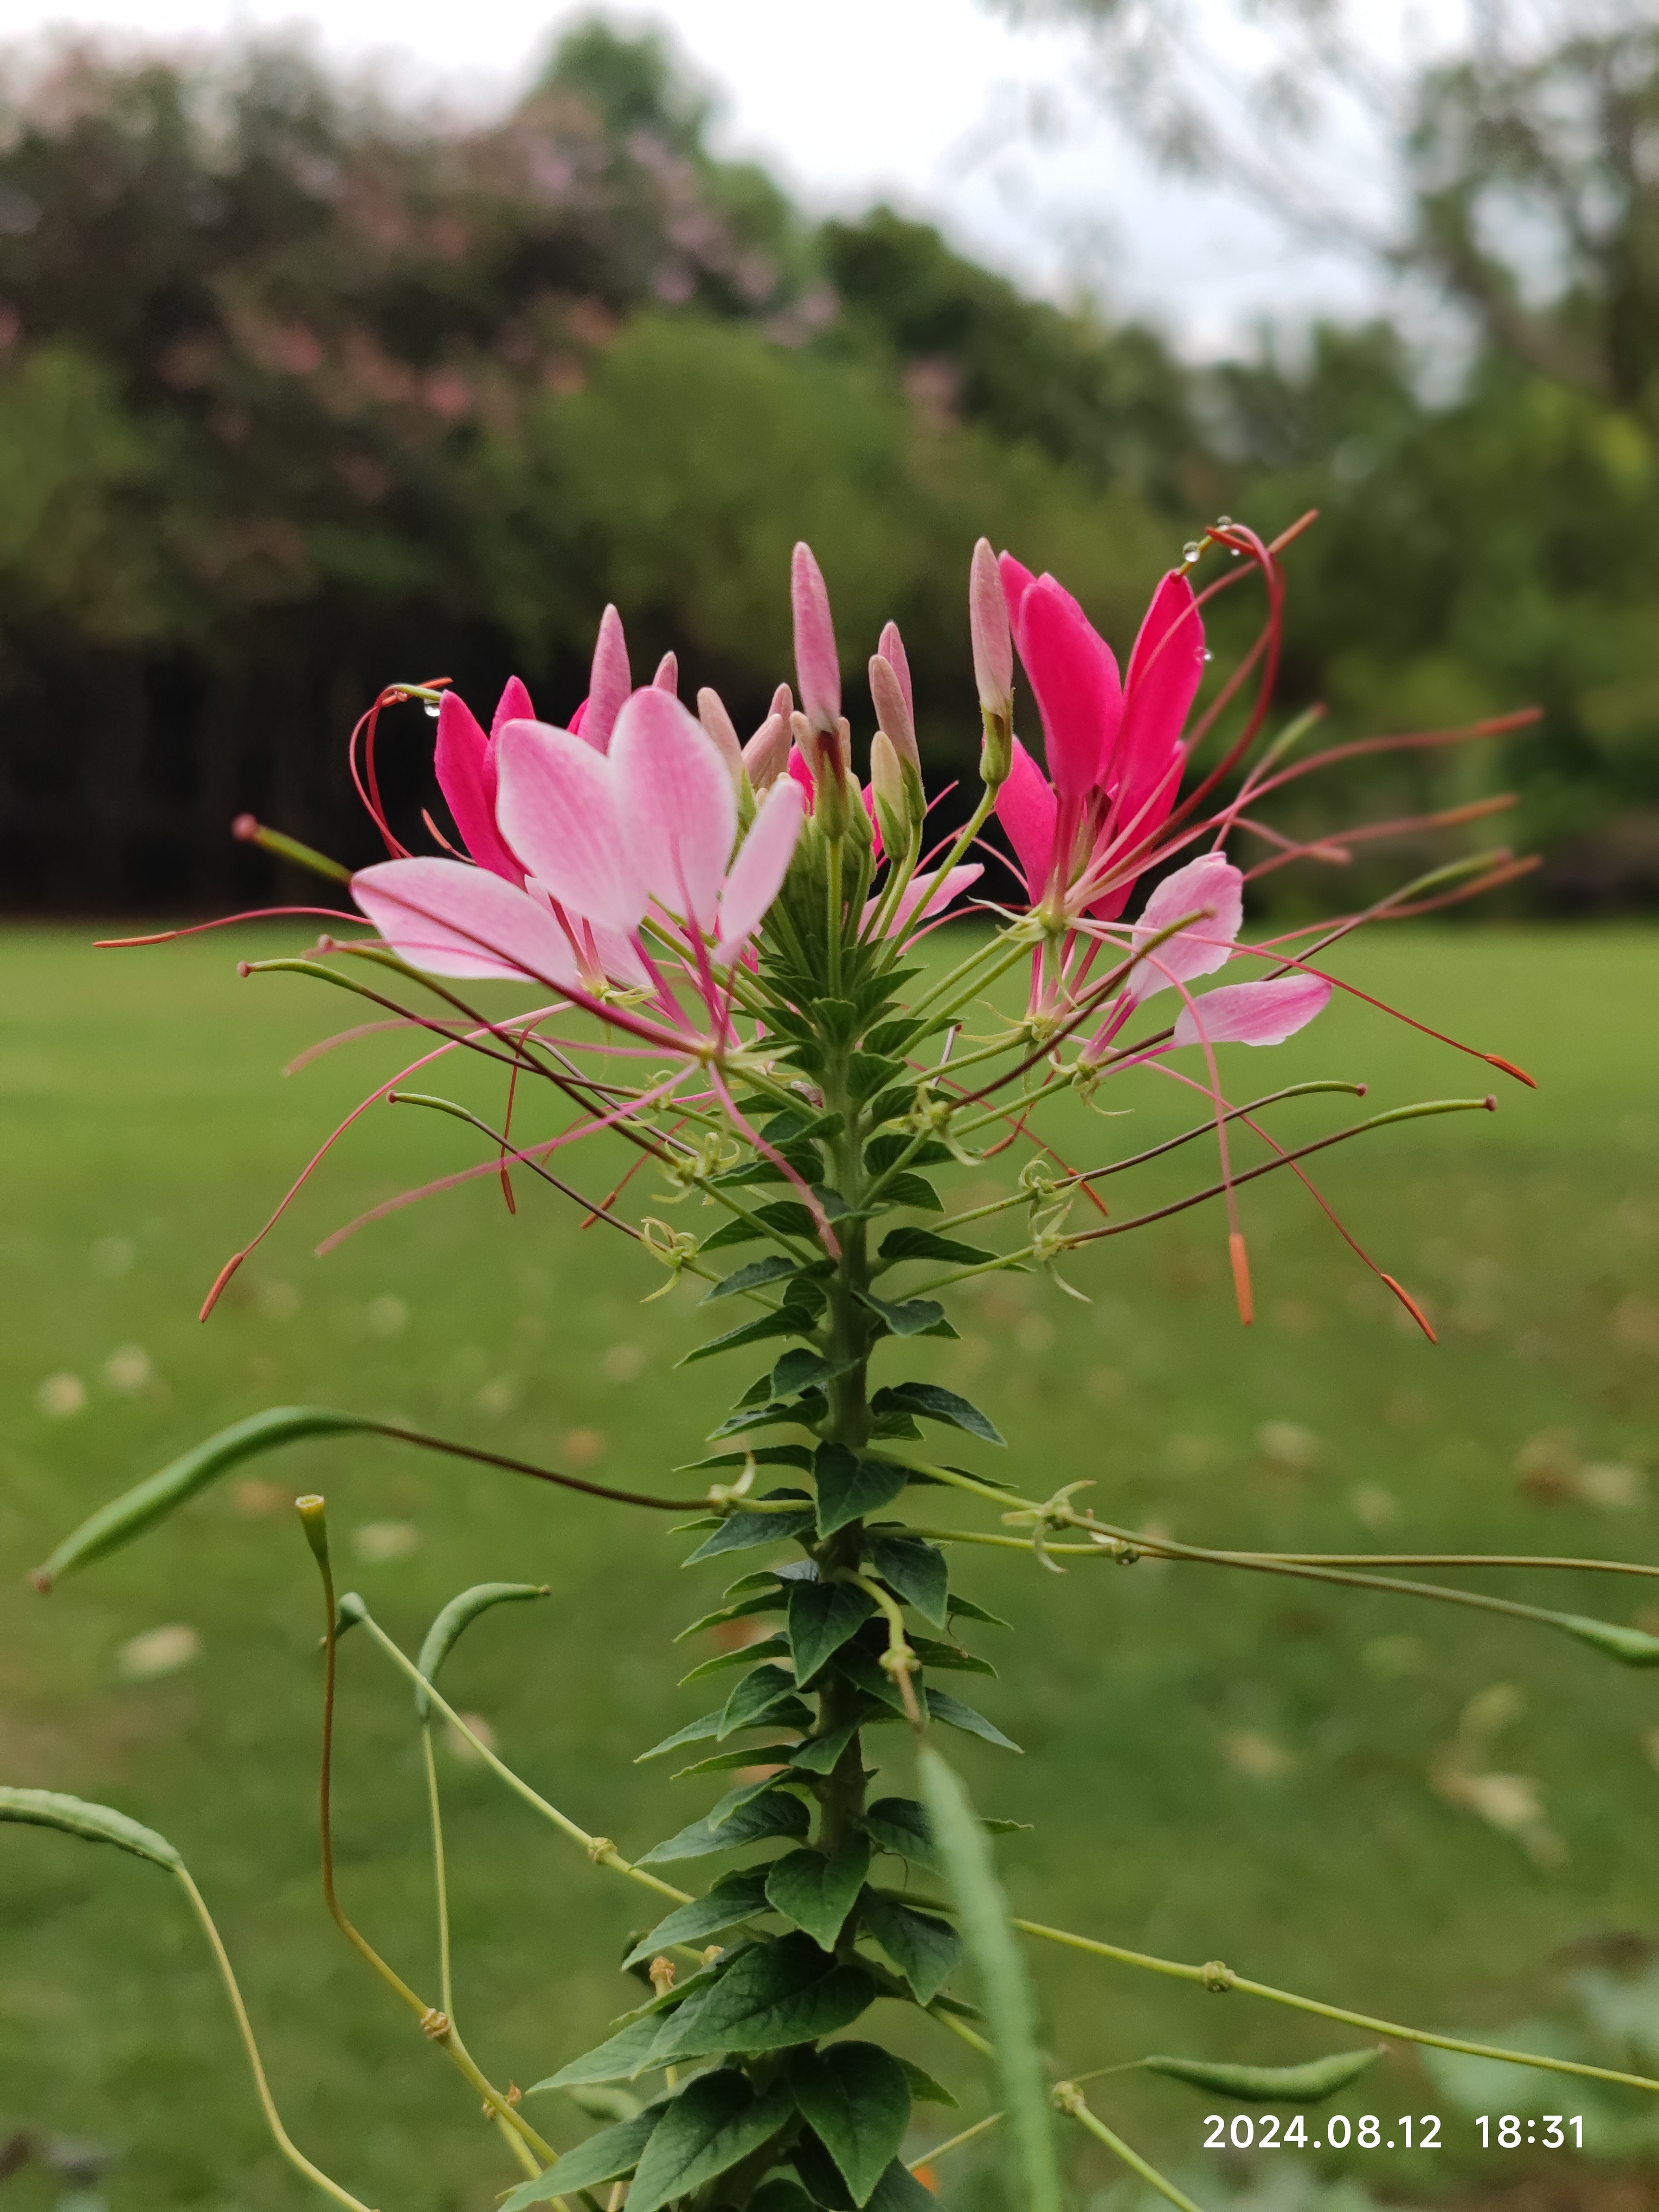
1216, 1766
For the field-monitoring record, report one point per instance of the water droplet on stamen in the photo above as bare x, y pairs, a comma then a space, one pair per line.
1191, 550
1223, 522
433, 710
1208, 655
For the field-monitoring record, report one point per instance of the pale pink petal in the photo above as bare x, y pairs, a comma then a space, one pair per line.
451, 920
818, 666
513, 705
722, 734
869, 798
987, 627
667, 677
557, 805
767, 752
1211, 885
1026, 809
762, 863
891, 649
1253, 1013
609, 685
675, 802
465, 764
938, 892
1074, 675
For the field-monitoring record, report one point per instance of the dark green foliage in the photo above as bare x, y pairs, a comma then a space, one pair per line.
755, 1696
771, 1997
816, 1892
899, 1823
724, 1829
743, 1531
734, 1897
957, 1715
925, 1949
916, 1570
603, 2157
934, 1403
857, 2101
822, 1616
715, 2121
851, 1487
915, 1243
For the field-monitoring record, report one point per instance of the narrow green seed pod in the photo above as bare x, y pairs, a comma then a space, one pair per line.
95, 1824
1634, 1647
1287, 2085
141, 1508
459, 1613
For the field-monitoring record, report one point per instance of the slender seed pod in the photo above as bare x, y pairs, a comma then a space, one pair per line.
711, 713
458, 1615
95, 1824
1288, 2085
893, 708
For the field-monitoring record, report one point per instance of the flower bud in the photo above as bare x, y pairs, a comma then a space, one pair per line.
817, 667
891, 649
892, 703
767, 753
711, 713
826, 753
892, 804
667, 677
993, 640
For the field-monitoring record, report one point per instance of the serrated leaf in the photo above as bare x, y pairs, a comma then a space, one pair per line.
908, 1189
748, 1754
777, 1994
865, 1673
837, 1020
970, 1611
867, 1073
818, 1893
776, 1813
755, 1697
822, 1616
857, 2100
894, 1035
741, 1531
769, 1601
716, 2121
607, 2156
899, 1823
881, 1152
925, 1949
934, 1403
909, 1316
777, 1268
957, 1715
850, 1487
1288, 2085
810, 1410
820, 1754
617, 2059
734, 1898
769, 1647
933, 1653
923, 2087
800, 1371
915, 1243
916, 1570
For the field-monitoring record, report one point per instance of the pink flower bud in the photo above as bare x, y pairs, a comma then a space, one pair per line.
711, 713
893, 707
609, 685
817, 667
993, 641
667, 677
891, 649
767, 753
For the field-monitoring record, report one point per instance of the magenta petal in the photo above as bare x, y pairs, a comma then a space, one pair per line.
1165, 670
1016, 580
513, 705
451, 920
817, 665
1209, 882
1026, 809
609, 685
558, 805
1075, 678
466, 765
762, 863
800, 769
1253, 1013
675, 802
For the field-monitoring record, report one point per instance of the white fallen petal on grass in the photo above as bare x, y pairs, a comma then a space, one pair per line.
157, 1652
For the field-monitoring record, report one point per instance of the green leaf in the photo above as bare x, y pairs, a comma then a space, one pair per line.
916, 1570
773, 1646
822, 1616
716, 2121
151, 1501
810, 1410
818, 1893
735, 1800
783, 1321
771, 1600
775, 1268
914, 1242
857, 2101
603, 2157
925, 1949
617, 2059
970, 1611
837, 1020
909, 1316
905, 1189
94, 1824
881, 1152
1288, 2085
755, 1696
957, 1715
747, 1754
894, 1036
923, 2087
771, 1996
783, 1217
780, 2194
734, 1898
933, 1403
867, 1073
933, 1653
820, 1754
899, 1823
1005, 1988
849, 1487
797, 1456
799, 1371
862, 1668
898, 2190
693, 1732
776, 1813
741, 1531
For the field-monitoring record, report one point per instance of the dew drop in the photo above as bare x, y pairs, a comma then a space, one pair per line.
1208, 655
1191, 550
1223, 522
433, 710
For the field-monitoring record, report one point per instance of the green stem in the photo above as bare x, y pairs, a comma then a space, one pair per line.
1070, 2099
1220, 1979
955, 2143
440, 1879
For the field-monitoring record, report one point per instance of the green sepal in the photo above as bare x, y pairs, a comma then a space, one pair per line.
818, 1893
734, 1898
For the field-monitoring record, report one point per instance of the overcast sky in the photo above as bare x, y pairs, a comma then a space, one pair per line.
922, 101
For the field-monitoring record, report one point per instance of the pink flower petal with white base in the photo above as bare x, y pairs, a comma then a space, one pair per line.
937, 892
758, 872
1253, 1013
675, 803
557, 805
1209, 884
450, 920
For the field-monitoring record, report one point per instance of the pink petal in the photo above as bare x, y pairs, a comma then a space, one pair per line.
767, 752
1165, 670
1253, 1013
762, 863
936, 892
891, 649
676, 804
869, 796
609, 685
1026, 808
667, 677
466, 765
987, 628
1210, 882
1133, 823
1075, 678
818, 666
557, 804
1016, 580
451, 920
800, 769
513, 706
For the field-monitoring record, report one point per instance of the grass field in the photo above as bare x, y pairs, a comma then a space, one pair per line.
1217, 1765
